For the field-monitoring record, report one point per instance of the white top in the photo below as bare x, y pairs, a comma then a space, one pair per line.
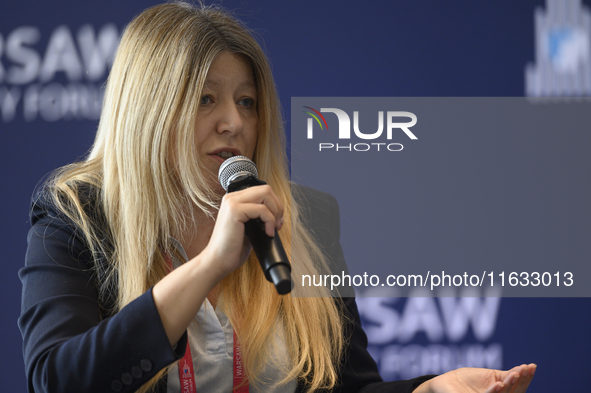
211, 339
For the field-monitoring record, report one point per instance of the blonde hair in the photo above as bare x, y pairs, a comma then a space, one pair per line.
144, 166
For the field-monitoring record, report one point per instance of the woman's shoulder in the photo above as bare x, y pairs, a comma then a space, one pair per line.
68, 215
48, 202
57, 237
301, 192
316, 206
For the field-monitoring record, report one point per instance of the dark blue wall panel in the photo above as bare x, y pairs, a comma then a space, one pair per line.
50, 84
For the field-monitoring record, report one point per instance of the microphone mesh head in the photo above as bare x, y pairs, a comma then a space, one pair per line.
234, 167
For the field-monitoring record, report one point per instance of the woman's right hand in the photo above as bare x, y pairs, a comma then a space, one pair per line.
228, 247
226, 250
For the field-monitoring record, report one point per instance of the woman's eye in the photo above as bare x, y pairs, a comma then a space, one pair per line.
205, 100
247, 102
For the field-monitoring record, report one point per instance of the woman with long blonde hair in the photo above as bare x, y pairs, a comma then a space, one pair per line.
138, 277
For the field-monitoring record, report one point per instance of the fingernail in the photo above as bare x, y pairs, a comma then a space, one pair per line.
514, 379
500, 387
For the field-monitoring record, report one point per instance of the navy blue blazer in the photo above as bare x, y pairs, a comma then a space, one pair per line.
72, 344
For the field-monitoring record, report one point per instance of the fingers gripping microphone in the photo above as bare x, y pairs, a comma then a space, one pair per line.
238, 173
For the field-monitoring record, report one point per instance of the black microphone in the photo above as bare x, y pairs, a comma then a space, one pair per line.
238, 173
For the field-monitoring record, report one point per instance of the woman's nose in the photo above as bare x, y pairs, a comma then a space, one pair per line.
230, 119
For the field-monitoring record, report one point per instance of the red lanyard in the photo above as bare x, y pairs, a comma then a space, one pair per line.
239, 374
187, 374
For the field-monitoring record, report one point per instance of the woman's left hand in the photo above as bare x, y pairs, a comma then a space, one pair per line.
481, 380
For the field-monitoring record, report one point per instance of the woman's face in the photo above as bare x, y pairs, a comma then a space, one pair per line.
227, 118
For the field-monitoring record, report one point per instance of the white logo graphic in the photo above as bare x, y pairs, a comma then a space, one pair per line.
57, 81
345, 124
344, 131
459, 332
563, 51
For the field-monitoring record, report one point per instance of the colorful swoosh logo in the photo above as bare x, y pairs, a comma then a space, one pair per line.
316, 117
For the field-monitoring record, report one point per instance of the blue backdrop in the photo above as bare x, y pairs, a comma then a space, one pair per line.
54, 58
